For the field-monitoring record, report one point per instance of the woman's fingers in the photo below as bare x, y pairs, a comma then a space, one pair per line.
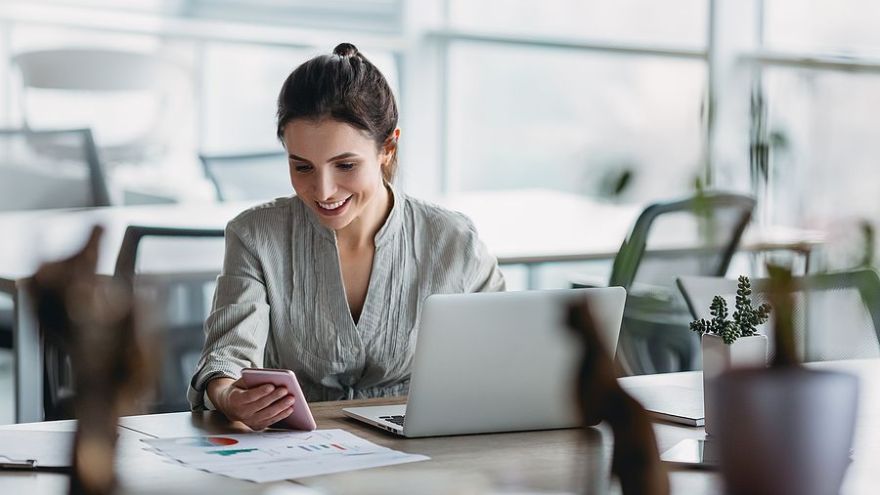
273, 413
248, 395
265, 401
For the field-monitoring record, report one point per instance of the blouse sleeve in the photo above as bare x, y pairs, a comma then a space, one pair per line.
484, 274
238, 325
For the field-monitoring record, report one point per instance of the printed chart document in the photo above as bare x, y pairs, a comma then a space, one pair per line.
279, 455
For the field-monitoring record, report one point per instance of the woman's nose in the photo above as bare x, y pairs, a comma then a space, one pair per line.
325, 186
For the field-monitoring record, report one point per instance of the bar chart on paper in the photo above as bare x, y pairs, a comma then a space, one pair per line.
278, 455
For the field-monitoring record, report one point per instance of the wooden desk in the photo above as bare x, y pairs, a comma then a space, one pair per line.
557, 460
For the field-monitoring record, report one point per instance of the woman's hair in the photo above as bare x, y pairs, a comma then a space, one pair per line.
346, 87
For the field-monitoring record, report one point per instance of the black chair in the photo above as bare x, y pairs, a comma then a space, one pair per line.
176, 303
837, 315
693, 236
248, 176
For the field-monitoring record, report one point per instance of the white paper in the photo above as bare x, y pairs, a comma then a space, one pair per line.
275, 456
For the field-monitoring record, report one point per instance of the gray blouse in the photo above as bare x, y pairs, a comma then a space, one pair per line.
280, 300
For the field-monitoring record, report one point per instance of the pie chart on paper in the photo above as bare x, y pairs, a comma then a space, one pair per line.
206, 441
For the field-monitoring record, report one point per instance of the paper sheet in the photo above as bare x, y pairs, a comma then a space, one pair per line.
279, 455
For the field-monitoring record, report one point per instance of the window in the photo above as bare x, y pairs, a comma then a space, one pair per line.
670, 22
568, 120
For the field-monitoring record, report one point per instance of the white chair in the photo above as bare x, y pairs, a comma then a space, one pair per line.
128, 85
35, 177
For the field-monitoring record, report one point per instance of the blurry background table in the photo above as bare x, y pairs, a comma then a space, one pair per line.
528, 227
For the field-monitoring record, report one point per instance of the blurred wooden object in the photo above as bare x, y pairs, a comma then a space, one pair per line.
635, 461
92, 319
786, 429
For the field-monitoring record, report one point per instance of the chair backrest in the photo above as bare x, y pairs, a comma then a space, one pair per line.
836, 315
50, 169
713, 222
248, 176
105, 79
176, 304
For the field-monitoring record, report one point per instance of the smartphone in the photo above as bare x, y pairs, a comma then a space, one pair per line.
301, 417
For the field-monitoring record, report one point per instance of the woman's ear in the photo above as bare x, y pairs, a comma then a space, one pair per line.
389, 147
391, 143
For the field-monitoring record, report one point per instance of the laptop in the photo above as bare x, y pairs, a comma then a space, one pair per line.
495, 362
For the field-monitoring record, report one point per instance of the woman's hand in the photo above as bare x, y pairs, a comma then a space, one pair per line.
257, 407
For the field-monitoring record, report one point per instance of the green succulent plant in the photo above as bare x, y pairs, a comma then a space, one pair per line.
745, 320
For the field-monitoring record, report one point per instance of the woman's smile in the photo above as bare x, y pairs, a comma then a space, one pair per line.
335, 208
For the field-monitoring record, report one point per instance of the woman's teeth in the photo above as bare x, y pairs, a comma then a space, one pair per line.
332, 206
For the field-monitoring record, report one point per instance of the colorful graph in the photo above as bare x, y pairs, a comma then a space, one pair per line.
206, 441
320, 447
229, 452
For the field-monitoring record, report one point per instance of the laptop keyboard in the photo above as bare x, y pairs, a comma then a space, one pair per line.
398, 420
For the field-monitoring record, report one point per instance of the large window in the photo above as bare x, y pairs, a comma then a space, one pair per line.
670, 22
572, 120
572, 95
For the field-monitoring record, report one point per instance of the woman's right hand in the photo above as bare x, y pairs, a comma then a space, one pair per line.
257, 407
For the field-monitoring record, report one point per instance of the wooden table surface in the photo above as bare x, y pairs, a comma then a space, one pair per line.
543, 461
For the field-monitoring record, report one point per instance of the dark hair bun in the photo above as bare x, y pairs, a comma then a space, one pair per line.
345, 50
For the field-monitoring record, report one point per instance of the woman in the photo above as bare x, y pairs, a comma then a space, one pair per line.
330, 282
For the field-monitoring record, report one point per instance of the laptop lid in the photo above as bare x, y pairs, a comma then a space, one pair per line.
501, 361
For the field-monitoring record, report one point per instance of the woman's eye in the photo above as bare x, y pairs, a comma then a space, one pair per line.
302, 168
345, 166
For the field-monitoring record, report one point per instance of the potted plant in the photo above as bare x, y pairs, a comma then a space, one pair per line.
729, 343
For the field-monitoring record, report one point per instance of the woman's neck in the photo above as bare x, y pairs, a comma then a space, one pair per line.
361, 232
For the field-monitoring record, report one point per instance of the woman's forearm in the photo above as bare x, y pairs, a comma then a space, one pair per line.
216, 388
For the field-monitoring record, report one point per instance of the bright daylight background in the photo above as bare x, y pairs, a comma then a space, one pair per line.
501, 94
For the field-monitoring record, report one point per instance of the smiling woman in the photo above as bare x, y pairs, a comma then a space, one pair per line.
329, 283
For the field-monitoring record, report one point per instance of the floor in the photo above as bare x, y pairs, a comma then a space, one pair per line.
7, 398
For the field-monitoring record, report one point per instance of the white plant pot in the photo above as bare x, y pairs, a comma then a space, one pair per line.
718, 357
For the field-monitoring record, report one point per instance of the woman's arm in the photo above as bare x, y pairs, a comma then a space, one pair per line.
238, 326
483, 272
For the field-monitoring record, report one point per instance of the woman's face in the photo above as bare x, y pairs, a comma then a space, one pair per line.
336, 170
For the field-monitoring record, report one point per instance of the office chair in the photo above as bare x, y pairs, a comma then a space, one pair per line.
32, 177
106, 79
655, 337
837, 315
35, 178
248, 176
175, 305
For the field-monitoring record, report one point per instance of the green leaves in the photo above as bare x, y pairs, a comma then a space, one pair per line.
745, 318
